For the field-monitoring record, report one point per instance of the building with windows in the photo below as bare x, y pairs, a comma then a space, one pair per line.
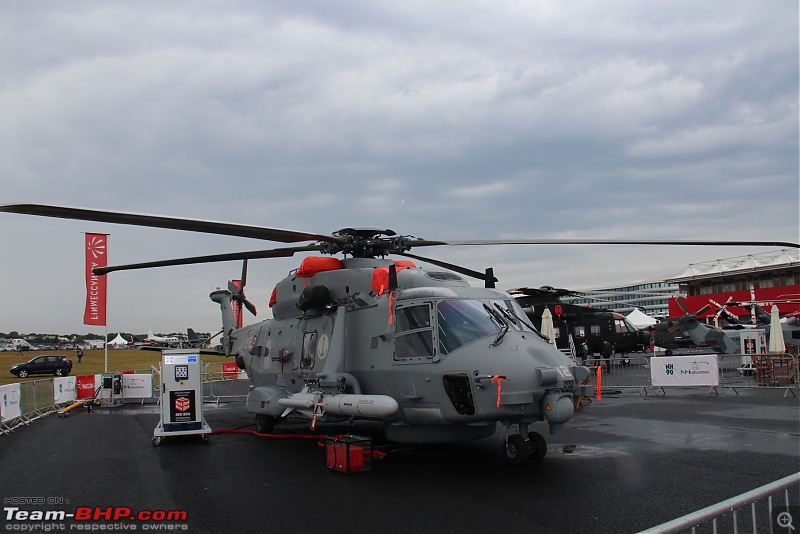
651, 297
763, 279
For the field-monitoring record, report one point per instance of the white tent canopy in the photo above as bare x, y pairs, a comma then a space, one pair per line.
118, 341
639, 319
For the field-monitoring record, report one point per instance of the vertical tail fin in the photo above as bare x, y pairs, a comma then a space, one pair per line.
223, 298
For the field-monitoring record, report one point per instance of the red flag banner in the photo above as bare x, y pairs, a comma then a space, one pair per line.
84, 388
96, 256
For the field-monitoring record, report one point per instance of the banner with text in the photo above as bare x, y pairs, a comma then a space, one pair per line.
134, 386
9, 402
695, 370
64, 389
85, 386
96, 256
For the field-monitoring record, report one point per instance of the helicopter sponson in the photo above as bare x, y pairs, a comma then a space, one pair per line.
420, 349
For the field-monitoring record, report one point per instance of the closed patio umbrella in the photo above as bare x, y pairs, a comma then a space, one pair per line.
776, 344
547, 326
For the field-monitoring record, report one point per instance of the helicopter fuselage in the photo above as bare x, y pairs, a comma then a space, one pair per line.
432, 357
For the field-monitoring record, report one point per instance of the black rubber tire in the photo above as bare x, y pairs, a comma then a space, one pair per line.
537, 446
265, 424
23, 374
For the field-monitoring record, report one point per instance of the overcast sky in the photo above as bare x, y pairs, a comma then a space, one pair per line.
443, 120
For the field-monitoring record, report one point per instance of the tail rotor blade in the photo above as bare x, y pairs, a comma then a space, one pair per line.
702, 310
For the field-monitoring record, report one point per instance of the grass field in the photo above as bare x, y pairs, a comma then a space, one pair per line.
93, 362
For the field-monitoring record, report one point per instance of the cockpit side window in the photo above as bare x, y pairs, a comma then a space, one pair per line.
413, 332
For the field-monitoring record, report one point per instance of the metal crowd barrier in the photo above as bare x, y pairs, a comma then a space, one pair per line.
779, 371
217, 386
35, 400
630, 372
770, 508
222, 388
633, 372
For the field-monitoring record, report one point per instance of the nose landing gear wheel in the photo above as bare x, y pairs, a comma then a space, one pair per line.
515, 449
537, 446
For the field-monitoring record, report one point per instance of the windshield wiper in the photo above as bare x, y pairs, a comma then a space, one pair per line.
508, 314
502, 322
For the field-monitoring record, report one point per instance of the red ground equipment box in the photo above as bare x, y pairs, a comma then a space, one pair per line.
348, 453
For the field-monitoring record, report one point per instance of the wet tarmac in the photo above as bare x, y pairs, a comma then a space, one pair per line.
625, 463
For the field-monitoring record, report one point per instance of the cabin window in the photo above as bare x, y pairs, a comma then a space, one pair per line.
594, 329
580, 331
309, 349
413, 332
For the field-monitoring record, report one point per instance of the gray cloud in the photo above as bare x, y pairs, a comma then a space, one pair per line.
459, 120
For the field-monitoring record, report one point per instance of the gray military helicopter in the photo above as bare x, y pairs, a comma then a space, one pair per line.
687, 330
368, 338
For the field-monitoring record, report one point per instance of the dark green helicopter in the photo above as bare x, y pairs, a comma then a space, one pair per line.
583, 323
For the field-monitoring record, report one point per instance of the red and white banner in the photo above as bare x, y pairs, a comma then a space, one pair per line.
96, 256
84, 386
230, 369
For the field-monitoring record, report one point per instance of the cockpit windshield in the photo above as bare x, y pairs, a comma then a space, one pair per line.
463, 321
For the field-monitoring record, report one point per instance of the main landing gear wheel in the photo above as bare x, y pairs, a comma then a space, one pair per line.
515, 449
265, 424
537, 446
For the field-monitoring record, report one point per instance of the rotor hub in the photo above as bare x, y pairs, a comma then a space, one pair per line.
366, 242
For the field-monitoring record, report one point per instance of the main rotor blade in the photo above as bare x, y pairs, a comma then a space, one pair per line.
659, 242
451, 266
173, 223
251, 255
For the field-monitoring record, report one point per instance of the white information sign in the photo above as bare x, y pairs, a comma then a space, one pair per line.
694, 370
9, 402
137, 386
134, 386
64, 389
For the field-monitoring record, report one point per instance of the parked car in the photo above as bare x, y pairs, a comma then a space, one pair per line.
54, 364
747, 369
